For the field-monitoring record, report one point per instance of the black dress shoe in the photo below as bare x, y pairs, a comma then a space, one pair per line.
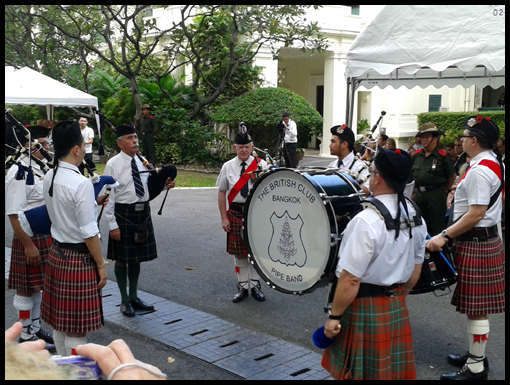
138, 304
127, 310
257, 293
44, 335
459, 360
241, 294
34, 338
466, 374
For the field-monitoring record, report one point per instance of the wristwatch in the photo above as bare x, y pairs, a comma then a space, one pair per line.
444, 234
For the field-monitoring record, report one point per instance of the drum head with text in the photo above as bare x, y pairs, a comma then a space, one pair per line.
287, 229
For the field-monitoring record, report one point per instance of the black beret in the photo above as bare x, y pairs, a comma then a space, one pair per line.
36, 132
485, 127
394, 166
343, 132
65, 135
125, 129
242, 138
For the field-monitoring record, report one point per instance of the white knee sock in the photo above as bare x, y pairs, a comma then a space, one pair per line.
242, 270
59, 340
36, 312
477, 332
24, 305
254, 276
72, 342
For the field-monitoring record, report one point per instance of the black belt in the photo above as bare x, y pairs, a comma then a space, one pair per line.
429, 188
237, 207
127, 206
77, 247
370, 290
478, 234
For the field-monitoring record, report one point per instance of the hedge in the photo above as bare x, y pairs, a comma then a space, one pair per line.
452, 123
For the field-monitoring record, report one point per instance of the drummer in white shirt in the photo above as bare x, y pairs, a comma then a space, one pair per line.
342, 146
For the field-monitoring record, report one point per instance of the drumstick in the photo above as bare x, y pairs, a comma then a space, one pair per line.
446, 260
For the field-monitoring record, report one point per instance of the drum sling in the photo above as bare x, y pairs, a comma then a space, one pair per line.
242, 181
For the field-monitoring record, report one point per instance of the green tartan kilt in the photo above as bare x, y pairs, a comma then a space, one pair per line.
374, 343
127, 250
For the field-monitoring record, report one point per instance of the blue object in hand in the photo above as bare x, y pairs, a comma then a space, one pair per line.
320, 340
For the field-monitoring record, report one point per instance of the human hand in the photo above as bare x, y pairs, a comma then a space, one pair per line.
13, 333
103, 199
169, 183
225, 224
102, 277
116, 354
332, 328
115, 234
33, 257
436, 243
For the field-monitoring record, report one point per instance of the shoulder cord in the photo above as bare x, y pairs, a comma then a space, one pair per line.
114, 371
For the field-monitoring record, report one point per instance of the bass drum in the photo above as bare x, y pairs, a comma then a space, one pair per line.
292, 222
437, 273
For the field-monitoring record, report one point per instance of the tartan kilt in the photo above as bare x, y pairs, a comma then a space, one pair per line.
127, 250
235, 241
71, 301
374, 342
480, 286
23, 277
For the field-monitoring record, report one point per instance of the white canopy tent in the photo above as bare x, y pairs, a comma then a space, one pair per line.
28, 87
424, 45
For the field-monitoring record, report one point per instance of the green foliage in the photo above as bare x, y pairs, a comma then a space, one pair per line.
183, 140
262, 109
452, 123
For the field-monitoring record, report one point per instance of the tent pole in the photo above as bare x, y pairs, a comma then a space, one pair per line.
347, 107
353, 91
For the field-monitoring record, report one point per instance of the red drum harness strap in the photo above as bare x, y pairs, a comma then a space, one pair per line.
242, 181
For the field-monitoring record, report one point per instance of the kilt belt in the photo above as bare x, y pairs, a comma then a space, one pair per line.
478, 234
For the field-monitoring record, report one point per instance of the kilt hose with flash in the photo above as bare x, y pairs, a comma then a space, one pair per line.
23, 277
71, 301
235, 241
480, 286
374, 342
127, 250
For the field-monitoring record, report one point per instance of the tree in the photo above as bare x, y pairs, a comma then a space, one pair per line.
262, 109
56, 37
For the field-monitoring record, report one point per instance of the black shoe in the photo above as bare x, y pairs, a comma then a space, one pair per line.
138, 304
127, 310
257, 293
242, 293
459, 360
466, 374
34, 338
44, 335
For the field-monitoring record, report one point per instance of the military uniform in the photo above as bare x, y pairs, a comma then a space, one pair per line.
431, 174
148, 127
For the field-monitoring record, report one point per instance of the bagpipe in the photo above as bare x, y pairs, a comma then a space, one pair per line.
158, 176
37, 220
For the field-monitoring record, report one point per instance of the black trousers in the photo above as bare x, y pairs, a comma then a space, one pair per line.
290, 154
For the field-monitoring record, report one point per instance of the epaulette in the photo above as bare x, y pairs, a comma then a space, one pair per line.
418, 151
442, 152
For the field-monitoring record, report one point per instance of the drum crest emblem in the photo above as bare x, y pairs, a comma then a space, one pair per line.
286, 245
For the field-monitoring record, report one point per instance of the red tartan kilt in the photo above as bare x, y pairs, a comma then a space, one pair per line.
71, 301
480, 286
374, 343
235, 242
23, 277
